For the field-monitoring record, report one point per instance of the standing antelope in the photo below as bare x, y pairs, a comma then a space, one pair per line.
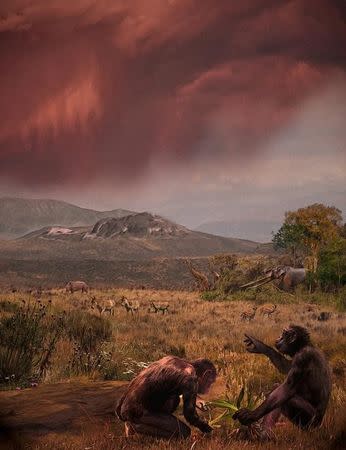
130, 306
248, 315
103, 306
268, 310
163, 307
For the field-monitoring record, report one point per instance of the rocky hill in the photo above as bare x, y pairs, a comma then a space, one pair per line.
19, 216
136, 236
140, 225
139, 249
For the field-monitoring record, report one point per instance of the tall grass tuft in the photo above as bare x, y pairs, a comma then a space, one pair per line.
27, 342
89, 334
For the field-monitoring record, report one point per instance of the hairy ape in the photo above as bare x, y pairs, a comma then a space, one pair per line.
150, 400
304, 395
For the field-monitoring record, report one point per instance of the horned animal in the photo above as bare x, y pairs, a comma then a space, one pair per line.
249, 315
163, 307
130, 306
287, 278
268, 310
73, 286
103, 306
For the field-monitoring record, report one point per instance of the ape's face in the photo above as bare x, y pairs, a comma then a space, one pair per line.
285, 342
205, 382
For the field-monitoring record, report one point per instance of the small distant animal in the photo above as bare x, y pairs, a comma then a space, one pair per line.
103, 306
268, 310
249, 315
324, 315
73, 286
130, 306
163, 307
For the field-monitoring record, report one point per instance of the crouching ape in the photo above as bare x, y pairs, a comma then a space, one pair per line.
304, 395
151, 398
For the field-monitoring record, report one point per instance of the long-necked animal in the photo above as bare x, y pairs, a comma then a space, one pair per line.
201, 279
304, 395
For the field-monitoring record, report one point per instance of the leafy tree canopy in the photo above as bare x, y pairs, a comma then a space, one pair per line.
309, 229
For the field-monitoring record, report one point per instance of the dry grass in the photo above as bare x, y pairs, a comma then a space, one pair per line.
192, 329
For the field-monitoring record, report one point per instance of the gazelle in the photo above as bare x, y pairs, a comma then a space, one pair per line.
103, 306
248, 315
130, 306
163, 307
268, 310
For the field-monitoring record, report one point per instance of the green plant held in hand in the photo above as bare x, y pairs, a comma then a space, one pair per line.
230, 407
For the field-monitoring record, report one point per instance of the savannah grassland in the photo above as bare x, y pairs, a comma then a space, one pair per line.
193, 328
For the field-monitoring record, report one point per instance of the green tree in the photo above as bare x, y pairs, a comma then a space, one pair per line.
331, 272
319, 224
290, 237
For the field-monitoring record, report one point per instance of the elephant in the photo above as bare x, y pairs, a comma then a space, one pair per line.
288, 277
73, 286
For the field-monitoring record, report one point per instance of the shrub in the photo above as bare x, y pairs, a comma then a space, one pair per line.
27, 342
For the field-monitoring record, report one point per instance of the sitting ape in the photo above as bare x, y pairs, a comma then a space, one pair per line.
148, 404
304, 395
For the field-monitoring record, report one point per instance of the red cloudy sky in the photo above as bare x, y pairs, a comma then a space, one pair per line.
118, 93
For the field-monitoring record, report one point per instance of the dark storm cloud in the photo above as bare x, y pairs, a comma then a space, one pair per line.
99, 90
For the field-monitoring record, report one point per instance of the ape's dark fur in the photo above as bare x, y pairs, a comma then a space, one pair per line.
153, 396
304, 395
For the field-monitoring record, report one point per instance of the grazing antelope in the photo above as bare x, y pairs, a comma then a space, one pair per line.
109, 307
103, 306
248, 315
163, 307
130, 306
268, 310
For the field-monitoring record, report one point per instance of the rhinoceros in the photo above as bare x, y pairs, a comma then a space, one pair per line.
73, 286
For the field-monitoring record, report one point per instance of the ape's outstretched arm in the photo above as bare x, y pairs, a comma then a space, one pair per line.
253, 345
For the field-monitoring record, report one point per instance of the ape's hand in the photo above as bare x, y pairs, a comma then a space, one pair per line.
205, 428
245, 416
253, 345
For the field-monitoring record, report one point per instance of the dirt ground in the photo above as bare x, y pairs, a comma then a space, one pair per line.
26, 415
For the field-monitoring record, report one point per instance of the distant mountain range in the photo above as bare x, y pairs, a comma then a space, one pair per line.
19, 216
260, 229
136, 236
131, 248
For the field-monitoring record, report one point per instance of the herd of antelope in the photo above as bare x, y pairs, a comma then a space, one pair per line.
133, 307
266, 310
108, 306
